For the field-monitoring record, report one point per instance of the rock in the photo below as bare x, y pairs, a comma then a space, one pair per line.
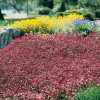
7, 36
15, 32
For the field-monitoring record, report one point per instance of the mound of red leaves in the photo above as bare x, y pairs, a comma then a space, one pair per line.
39, 67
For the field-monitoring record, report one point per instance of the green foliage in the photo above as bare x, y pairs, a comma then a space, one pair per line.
85, 12
45, 10
57, 2
17, 5
2, 23
72, 2
93, 5
97, 13
30, 6
82, 3
85, 27
69, 27
33, 16
98, 29
62, 95
9, 21
91, 93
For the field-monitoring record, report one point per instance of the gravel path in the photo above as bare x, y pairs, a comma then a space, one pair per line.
15, 16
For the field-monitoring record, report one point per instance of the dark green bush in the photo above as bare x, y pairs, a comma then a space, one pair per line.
97, 13
62, 95
45, 10
87, 14
91, 93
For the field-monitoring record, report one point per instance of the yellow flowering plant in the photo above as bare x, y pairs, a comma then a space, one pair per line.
47, 24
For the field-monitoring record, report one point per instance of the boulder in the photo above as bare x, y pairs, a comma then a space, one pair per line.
7, 36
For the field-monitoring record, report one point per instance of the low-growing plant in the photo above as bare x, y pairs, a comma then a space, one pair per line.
91, 93
53, 25
36, 67
46, 24
62, 95
85, 27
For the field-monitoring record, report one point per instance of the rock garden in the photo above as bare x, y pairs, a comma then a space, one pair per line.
50, 58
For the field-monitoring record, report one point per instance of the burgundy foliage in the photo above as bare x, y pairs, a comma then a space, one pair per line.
39, 67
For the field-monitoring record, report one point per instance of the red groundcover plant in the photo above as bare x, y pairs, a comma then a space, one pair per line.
37, 67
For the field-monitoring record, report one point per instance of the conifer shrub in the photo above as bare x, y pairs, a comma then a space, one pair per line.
97, 13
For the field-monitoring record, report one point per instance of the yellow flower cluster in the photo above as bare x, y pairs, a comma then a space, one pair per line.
45, 24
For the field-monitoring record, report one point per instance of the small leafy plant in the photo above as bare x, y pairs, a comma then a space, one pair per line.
91, 93
85, 27
62, 95
45, 24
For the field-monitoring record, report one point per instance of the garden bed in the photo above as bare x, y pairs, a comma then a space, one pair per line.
51, 58
40, 67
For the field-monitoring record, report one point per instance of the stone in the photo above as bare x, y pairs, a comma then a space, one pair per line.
7, 36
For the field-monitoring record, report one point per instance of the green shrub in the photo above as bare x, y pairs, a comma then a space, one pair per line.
4, 14
45, 10
97, 13
91, 93
62, 95
85, 27
85, 12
